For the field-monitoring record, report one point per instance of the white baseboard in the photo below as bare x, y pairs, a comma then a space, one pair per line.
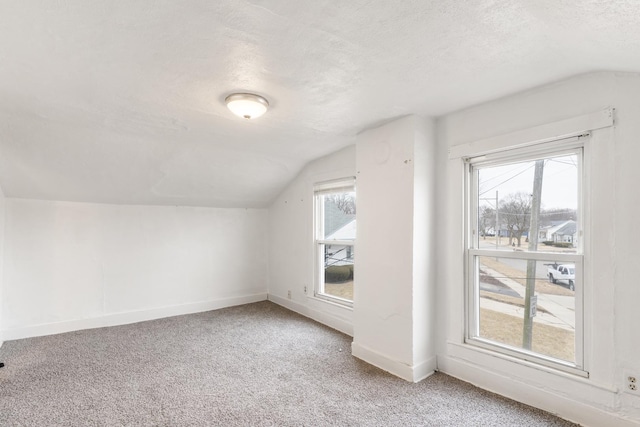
424, 369
124, 318
410, 373
329, 320
562, 406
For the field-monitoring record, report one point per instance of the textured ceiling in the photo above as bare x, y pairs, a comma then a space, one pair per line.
122, 101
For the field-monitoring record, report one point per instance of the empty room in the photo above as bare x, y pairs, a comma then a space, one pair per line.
319, 213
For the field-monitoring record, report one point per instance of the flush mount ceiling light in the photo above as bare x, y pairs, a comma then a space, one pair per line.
247, 105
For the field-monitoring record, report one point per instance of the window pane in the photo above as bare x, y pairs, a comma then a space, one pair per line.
511, 188
338, 271
335, 238
502, 284
339, 212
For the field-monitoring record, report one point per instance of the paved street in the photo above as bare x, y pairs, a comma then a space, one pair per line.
561, 308
520, 264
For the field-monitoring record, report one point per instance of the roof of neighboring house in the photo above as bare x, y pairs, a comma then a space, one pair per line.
346, 232
335, 219
568, 228
558, 222
560, 227
554, 225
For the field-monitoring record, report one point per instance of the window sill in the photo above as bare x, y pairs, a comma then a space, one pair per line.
467, 349
337, 302
506, 375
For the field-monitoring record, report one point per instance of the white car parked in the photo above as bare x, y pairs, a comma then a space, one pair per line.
562, 273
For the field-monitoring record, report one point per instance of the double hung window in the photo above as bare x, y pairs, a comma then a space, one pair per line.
525, 256
335, 234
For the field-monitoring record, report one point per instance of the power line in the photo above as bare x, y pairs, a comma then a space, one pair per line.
563, 162
518, 166
507, 180
570, 162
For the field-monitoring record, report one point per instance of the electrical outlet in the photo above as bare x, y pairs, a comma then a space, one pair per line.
632, 382
305, 289
289, 294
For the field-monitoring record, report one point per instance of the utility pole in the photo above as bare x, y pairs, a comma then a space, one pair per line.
496, 230
529, 297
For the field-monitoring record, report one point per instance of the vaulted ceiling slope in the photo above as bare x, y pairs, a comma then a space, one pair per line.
121, 101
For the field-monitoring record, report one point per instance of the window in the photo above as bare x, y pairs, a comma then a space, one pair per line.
335, 234
524, 254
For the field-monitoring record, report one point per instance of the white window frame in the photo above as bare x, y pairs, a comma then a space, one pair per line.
319, 189
570, 145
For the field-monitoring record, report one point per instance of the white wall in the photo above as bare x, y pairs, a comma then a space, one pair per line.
394, 307
76, 265
424, 248
2, 225
611, 274
393, 316
291, 242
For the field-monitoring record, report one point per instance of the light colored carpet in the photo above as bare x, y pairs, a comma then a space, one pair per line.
253, 365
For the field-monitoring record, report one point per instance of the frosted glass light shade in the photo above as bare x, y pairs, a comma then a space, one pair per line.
247, 105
